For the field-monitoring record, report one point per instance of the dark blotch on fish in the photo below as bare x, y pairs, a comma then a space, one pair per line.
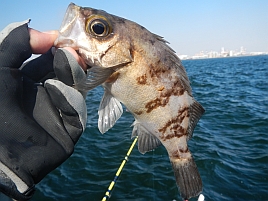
176, 130
165, 95
142, 79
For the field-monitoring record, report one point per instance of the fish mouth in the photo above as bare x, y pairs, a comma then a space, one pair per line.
83, 56
69, 43
87, 64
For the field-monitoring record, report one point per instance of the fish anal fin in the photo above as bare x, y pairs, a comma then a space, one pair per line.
187, 177
196, 111
146, 141
110, 111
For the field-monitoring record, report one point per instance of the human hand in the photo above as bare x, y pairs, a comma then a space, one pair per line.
41, 115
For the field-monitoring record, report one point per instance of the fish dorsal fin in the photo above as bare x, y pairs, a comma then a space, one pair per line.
196, 111
146, 141
95, 76
110, 111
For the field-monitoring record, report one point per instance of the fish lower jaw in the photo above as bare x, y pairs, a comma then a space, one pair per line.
89, 59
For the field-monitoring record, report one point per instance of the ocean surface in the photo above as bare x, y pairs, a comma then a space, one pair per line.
230, 143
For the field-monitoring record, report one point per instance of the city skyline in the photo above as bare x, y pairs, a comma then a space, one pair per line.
189, 26
242, 51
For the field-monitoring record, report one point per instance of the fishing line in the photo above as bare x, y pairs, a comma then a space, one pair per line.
153, 174
107, 194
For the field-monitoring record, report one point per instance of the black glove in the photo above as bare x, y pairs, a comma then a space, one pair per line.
41, 115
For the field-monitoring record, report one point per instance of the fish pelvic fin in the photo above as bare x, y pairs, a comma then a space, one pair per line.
110, 110
187, 177
146, 141
196, 111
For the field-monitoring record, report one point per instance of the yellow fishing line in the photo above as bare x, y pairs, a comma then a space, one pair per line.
107, 194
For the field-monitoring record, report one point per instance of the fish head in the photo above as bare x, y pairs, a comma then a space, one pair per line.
96, 36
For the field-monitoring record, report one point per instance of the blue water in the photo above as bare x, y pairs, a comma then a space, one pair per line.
230, 143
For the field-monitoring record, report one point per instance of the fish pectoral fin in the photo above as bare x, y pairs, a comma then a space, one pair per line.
187, 177
110, 111
196, 111
95, 76
146, 141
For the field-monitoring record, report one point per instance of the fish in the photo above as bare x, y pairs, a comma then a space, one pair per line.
138, 69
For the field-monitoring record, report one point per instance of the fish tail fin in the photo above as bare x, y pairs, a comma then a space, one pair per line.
187, 177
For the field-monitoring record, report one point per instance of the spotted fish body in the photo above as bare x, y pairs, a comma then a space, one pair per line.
138, 69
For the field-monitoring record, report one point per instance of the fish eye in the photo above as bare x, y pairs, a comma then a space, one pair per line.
98, 27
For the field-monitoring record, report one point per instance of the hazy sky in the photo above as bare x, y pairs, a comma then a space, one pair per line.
189, 25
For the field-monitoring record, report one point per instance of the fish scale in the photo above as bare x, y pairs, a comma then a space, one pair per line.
138, 69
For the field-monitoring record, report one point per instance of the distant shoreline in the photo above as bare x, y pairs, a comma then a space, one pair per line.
225, 57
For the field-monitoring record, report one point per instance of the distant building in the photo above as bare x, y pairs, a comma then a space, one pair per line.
222, 53
213, 54
183, 56
242, 50
258, 53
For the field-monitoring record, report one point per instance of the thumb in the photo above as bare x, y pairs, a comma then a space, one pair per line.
41, 42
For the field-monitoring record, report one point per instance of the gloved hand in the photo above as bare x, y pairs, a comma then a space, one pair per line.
41, 115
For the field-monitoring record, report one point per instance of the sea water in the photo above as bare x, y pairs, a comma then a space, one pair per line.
230, 143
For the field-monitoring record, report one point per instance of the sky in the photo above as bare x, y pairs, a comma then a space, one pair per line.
190, 26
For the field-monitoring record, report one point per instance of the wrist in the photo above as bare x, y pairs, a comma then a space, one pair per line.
12, 186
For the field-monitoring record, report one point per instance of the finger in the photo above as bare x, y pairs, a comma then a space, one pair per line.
79, 59
71, 105
14, 45
41, 42
66, 67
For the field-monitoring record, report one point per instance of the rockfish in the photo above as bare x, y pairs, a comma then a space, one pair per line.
138, 69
